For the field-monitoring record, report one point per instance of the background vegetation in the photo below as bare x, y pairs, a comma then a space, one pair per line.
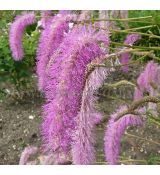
19, 76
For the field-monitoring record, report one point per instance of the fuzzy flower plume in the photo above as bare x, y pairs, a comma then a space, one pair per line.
66, 83
148, 76
148, 81
51, 38
26, 155
114, 132
16, 33
124, 58
132, 38
83, 148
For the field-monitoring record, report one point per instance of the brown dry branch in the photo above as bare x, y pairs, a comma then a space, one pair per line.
136, 104
138, 137
140, 33
107, 64
136, 47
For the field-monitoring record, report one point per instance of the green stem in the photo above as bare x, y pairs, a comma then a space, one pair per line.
138, 137
132, 108
140, 33
120, 83
116, 19
153, 120
141, 58
136, 47
139, 28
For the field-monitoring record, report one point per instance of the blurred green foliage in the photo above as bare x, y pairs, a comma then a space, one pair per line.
145, 40
17, 73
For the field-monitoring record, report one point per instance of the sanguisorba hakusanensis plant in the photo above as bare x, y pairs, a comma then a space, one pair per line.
65, 53
66, 84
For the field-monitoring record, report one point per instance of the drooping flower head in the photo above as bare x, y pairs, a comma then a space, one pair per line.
64, 92
131, 39
50, 39
114, 131
124, 57
83, 147
148, 82
16, 33
149, 76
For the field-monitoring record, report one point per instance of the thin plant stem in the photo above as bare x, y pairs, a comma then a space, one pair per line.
140, 33
117, 19
154, 121
120, 83
124, 161
132, 160
139, 28
138, 137
138, 103
136, 47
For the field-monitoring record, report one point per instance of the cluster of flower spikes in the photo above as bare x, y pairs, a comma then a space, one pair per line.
47, 21
16, 33
62, 126
56, 27
147, 82
66, 81
124, 57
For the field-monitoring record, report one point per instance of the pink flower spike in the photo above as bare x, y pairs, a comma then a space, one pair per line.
66, 83
132, 38
114, 132
50, 39
16, 32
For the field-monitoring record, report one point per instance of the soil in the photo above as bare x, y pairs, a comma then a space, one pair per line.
20, 126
